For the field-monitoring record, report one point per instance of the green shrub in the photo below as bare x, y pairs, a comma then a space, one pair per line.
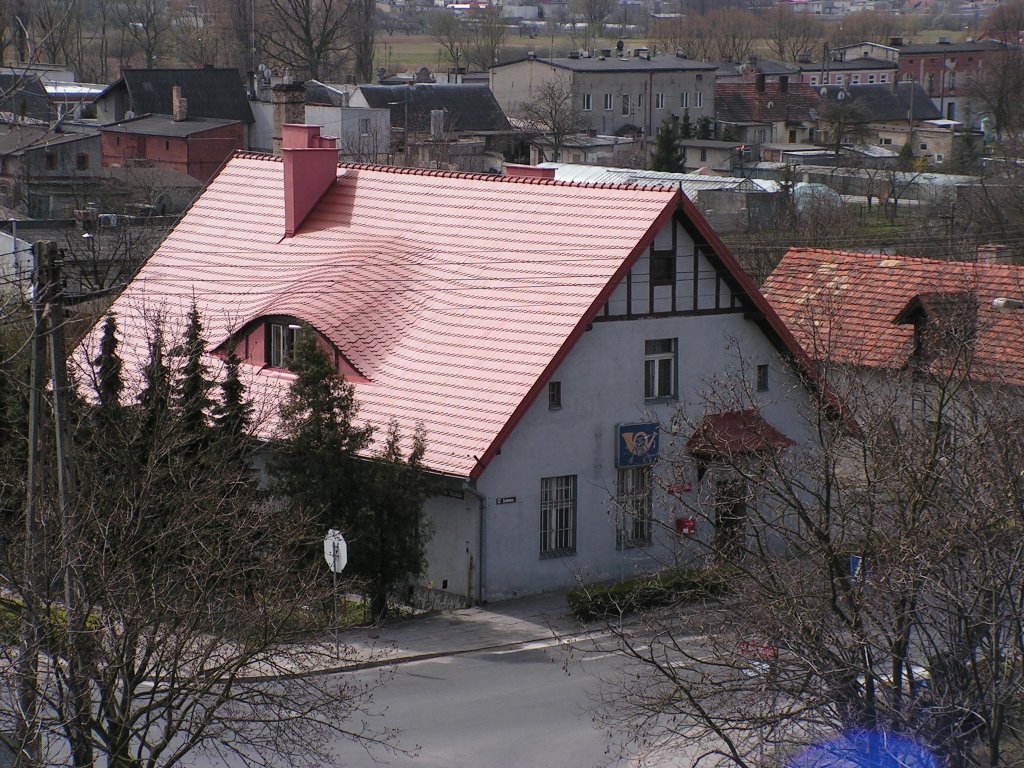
588, 603
55, 622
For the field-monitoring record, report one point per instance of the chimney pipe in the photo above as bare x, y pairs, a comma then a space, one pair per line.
995, 253
528, 171
179, 105
289, 107
310, 170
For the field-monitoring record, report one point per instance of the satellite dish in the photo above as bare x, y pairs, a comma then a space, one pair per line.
841, 95
770, 104
823, 91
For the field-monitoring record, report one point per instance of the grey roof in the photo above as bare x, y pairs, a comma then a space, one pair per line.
16, 138
24, 96
768, 67
690, 183
211, 92
881, 103
318, 93
661, 63
848, 64
710, 144
166, 125
471, 108
938, 48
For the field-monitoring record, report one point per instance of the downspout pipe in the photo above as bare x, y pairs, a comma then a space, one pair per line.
481, 581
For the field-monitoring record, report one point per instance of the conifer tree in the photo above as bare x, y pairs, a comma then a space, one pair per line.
685, 126
109, 381
667, 155
233, 414
316, 464
192, 387
389, 533
155, 395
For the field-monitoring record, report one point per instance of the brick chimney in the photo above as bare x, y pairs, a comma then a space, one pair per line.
995, 253
310, 169
179, 105
289, 105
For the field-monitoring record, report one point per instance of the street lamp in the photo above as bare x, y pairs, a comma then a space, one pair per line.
1003, 304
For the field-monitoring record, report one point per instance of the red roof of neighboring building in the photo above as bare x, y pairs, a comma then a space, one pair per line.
723, 435
744, 103
844, 307
455, 296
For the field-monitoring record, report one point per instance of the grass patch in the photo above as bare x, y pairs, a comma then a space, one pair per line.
607, 601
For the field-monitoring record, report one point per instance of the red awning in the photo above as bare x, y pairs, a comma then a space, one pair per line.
721, 435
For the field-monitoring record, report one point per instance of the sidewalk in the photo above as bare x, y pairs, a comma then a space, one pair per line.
505, 623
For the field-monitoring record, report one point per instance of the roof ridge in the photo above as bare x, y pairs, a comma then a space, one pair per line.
473, 176
905, 257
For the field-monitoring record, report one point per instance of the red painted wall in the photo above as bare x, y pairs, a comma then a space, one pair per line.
199, 155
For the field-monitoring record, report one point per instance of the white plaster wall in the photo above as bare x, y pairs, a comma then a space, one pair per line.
454, 540
602, 386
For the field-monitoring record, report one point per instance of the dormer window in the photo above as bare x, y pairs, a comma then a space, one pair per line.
281, 344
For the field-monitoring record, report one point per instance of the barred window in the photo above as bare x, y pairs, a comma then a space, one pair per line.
633, 497
557, 516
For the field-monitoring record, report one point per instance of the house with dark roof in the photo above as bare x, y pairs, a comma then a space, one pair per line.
891, 116
212, 93
45, 171
616, 94
542, 333
195, 146
441, 125
24, 97
760, 111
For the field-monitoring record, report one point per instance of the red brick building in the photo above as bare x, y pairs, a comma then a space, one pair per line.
945, 71
195, 146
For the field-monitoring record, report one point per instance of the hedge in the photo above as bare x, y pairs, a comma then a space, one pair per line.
588, 603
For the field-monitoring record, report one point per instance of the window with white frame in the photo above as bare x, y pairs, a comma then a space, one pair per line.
700, 99
684, 100
659, 369
659, 101
587, 103
633, 498
282, 344
557, 516
608, 102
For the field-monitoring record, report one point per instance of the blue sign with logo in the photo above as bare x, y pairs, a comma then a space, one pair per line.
637, 445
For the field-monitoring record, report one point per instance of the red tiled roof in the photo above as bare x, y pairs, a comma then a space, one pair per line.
721, 435
743, 103
453, 294
843, 307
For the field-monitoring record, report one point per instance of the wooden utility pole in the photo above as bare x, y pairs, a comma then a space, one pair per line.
78, 711
29, 741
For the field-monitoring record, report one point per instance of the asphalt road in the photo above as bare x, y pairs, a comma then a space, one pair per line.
515, 708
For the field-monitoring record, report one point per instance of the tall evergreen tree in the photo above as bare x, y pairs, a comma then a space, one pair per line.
233, 414
109, 381
155, 395
316, 464
667, 154
192, 386
389, 533
685, 126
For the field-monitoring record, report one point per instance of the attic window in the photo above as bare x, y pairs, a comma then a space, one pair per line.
82, 161
663, 267
50, 161
281, 343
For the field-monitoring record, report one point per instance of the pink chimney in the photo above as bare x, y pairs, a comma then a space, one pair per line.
310, 169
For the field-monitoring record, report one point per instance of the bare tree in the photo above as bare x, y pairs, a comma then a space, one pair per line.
552, 113
196, 614
307, 36
362, 36
450, 33
998, 89
52, 26
864, 26
486, 31
873, 569
148, 24
594, 13
198, 38
734, 33
790, 34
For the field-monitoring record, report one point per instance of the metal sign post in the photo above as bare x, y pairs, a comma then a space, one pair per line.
336, 555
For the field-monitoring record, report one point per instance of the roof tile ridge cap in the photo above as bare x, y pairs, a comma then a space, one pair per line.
246, 154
